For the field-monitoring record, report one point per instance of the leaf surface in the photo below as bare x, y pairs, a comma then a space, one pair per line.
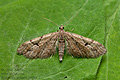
22, 20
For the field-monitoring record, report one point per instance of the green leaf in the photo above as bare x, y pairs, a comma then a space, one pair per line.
22, 20
5, 2
110, 66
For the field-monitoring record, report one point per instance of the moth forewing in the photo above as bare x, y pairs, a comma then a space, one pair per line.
24, 47
80, 46
41, 47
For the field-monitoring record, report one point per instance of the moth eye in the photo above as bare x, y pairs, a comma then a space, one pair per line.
59, 27
63, 27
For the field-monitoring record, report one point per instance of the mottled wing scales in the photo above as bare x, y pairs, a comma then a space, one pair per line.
80, 46
24, 47
49, 47
32, 52
41, 47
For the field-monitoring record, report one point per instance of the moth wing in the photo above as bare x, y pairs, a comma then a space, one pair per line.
79, 46
41, 47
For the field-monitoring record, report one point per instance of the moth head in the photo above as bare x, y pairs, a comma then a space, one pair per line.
62, 27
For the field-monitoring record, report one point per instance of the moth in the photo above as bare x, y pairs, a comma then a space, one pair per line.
77, 46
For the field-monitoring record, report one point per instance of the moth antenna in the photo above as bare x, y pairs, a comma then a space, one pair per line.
71, 18
51, 21
77, 13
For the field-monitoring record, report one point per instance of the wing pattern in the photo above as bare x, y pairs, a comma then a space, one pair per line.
41, 47
79, 46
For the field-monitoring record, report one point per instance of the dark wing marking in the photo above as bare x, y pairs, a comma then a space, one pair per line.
80, 46
41, 47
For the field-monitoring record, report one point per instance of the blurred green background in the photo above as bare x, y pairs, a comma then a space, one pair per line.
21, 20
